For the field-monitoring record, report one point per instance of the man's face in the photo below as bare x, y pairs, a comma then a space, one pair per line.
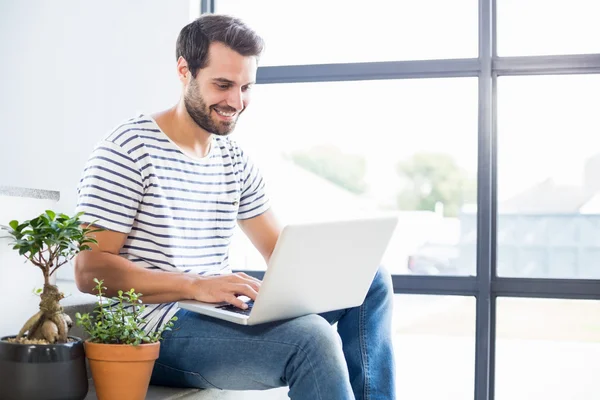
221, 91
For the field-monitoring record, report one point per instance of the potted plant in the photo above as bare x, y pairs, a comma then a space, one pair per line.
42, 361
121, 354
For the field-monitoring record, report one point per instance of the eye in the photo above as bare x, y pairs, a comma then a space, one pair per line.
222, 86
246, 88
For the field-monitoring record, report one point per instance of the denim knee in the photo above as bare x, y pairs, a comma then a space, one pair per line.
320, 336
382, 285
318, 369
318, 342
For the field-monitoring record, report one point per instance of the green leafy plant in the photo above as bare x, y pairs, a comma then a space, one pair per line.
49, 241
120, 322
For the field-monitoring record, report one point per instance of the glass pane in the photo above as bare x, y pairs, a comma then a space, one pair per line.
435, 347
547, 349
542, 27
339, 31
549, 177
345, 149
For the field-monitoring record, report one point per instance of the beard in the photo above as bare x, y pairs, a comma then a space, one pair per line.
201, 113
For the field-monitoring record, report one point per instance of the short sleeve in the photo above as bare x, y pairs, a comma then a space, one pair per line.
253, 199
111, 189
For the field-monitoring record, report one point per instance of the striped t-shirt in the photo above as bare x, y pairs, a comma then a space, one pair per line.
178, 212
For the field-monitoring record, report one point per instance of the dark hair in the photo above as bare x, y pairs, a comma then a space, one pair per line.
195, 38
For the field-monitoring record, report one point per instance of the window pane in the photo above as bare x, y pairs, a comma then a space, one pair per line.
337, 31
547, 349
549, 177
542, 27
435, 347
344, 149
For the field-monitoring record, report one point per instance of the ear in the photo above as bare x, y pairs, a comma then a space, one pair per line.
183, 72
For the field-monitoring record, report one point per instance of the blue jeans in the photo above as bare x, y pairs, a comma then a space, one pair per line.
304, 353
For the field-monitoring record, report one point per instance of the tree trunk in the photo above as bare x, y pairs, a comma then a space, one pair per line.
50, 323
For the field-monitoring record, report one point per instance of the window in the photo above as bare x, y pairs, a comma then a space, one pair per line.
548, 177
343, 149
434, 341
541, 27
340, 31
410, 147
547, 349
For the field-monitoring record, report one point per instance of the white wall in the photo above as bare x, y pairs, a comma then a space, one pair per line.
18, 279
70, 71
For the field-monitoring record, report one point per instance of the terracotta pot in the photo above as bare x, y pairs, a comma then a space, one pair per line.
121, 371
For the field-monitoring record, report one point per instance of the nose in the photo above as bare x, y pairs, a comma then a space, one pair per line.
236, 99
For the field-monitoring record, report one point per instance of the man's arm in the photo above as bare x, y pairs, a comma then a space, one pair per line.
103, 262
263, 231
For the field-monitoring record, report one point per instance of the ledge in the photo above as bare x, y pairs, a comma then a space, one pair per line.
30, 193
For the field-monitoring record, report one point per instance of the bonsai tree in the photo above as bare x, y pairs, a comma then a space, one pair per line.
118, 320
48, 242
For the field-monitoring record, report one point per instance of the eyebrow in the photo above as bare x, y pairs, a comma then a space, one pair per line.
229, 82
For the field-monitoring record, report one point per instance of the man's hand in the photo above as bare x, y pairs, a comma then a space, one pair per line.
224, 288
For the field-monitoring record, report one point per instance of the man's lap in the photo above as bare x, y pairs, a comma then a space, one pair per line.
206, 352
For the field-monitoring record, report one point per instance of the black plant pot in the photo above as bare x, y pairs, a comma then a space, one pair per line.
42, 372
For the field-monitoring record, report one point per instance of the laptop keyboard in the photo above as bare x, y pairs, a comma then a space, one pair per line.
231, 308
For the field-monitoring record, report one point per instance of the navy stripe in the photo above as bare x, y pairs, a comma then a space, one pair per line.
150, 146
135, 171
96, 206
181, 266
161, 320
173, 256
183, 228
188, 218
109, 191
134, 129
110, 171
154, 138
249, 174
190, 172
194, 210
245, 200
135, 148
172, 178
137, 228
152, 260
252, 209
170, 246
114, 152
112, 183
143, 121
149, 313
202, 265
257, 176
123, 144
160, 196
102, 218
156, 157
105, 200
189, 190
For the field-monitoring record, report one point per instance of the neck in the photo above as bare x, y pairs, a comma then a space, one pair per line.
177, 124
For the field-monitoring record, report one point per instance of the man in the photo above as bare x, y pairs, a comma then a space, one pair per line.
168, 189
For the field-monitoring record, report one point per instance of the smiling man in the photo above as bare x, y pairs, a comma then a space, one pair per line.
169, 189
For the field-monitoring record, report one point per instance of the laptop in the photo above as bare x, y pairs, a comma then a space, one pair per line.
314, 268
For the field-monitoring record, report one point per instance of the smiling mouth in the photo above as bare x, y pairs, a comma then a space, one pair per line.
225, 114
